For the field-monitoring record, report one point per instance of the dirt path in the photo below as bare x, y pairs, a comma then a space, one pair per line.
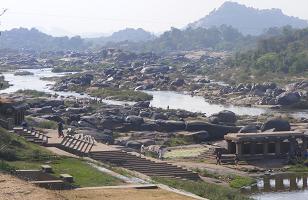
120, 194
12, 188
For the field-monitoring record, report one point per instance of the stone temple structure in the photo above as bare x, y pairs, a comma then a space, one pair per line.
12, 113
267, 144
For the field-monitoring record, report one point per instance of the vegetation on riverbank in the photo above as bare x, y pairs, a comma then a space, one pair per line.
204, 189
61, 69
33, 93
234, 181
302, 166
3, 83
120, 94
23, 73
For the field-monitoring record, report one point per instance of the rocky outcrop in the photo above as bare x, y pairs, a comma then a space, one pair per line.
276, 125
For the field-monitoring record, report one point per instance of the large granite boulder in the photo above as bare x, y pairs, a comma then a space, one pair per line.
249, 129
224, 116
288, 98
169, 126
276, 124
215, 131
135, 120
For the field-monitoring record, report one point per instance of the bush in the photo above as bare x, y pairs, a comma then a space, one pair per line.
48, 125
8, 154
5, 166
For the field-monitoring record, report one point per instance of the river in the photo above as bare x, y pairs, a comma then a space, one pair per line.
161, 99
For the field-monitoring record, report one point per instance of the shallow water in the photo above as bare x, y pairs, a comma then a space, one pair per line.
280, 187
161, 99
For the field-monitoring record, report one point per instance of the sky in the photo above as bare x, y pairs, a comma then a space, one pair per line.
93, 17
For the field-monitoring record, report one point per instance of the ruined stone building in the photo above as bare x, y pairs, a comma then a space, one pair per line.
12, 113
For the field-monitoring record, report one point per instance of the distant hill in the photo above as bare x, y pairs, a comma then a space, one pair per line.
128, 34
248, 20
33, 39
215, 38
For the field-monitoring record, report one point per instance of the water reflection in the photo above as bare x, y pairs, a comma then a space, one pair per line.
280, 186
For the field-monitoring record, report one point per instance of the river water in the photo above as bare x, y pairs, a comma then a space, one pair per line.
174, 100
161, 99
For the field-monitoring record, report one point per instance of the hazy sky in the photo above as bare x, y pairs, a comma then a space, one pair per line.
105, 16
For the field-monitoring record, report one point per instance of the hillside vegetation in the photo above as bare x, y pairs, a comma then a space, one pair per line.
286, 54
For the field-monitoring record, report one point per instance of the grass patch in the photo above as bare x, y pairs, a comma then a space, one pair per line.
120, 94
84, 174
66, 69
33, 93
177, 141
235, 181
300, 167
44, 124
203, 189
14, 148
241, 181
16, 153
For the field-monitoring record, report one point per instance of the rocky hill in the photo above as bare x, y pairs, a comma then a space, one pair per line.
128, 34
248, 20
33, 39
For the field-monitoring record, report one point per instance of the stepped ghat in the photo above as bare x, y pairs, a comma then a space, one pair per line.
116, 155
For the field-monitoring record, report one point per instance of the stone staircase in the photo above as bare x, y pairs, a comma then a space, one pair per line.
143, 165
77, 145
32, 135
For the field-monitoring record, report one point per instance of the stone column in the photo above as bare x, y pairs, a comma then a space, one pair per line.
279, 183
229, 146
304, 147
292, 147
293, 184
253, 146
304, 182
265, 148
239, 149
266, 182
278, 148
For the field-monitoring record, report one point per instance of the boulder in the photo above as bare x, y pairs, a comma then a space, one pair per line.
135, 120
200, 136
178, 82
133, 144
276, 124
288, 98
169, 125
55, 118
142, 104
215, 131
161, 116
224, 116
249, 129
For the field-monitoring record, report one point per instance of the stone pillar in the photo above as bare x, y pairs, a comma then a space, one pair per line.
265, 148
279, 183
239, 149
304, 147
292, 147
293, 184
229, 146
304, 182
278, 148
253, 146
266, 183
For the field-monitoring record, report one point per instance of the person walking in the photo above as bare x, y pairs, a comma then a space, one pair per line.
60, 130
141, 150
